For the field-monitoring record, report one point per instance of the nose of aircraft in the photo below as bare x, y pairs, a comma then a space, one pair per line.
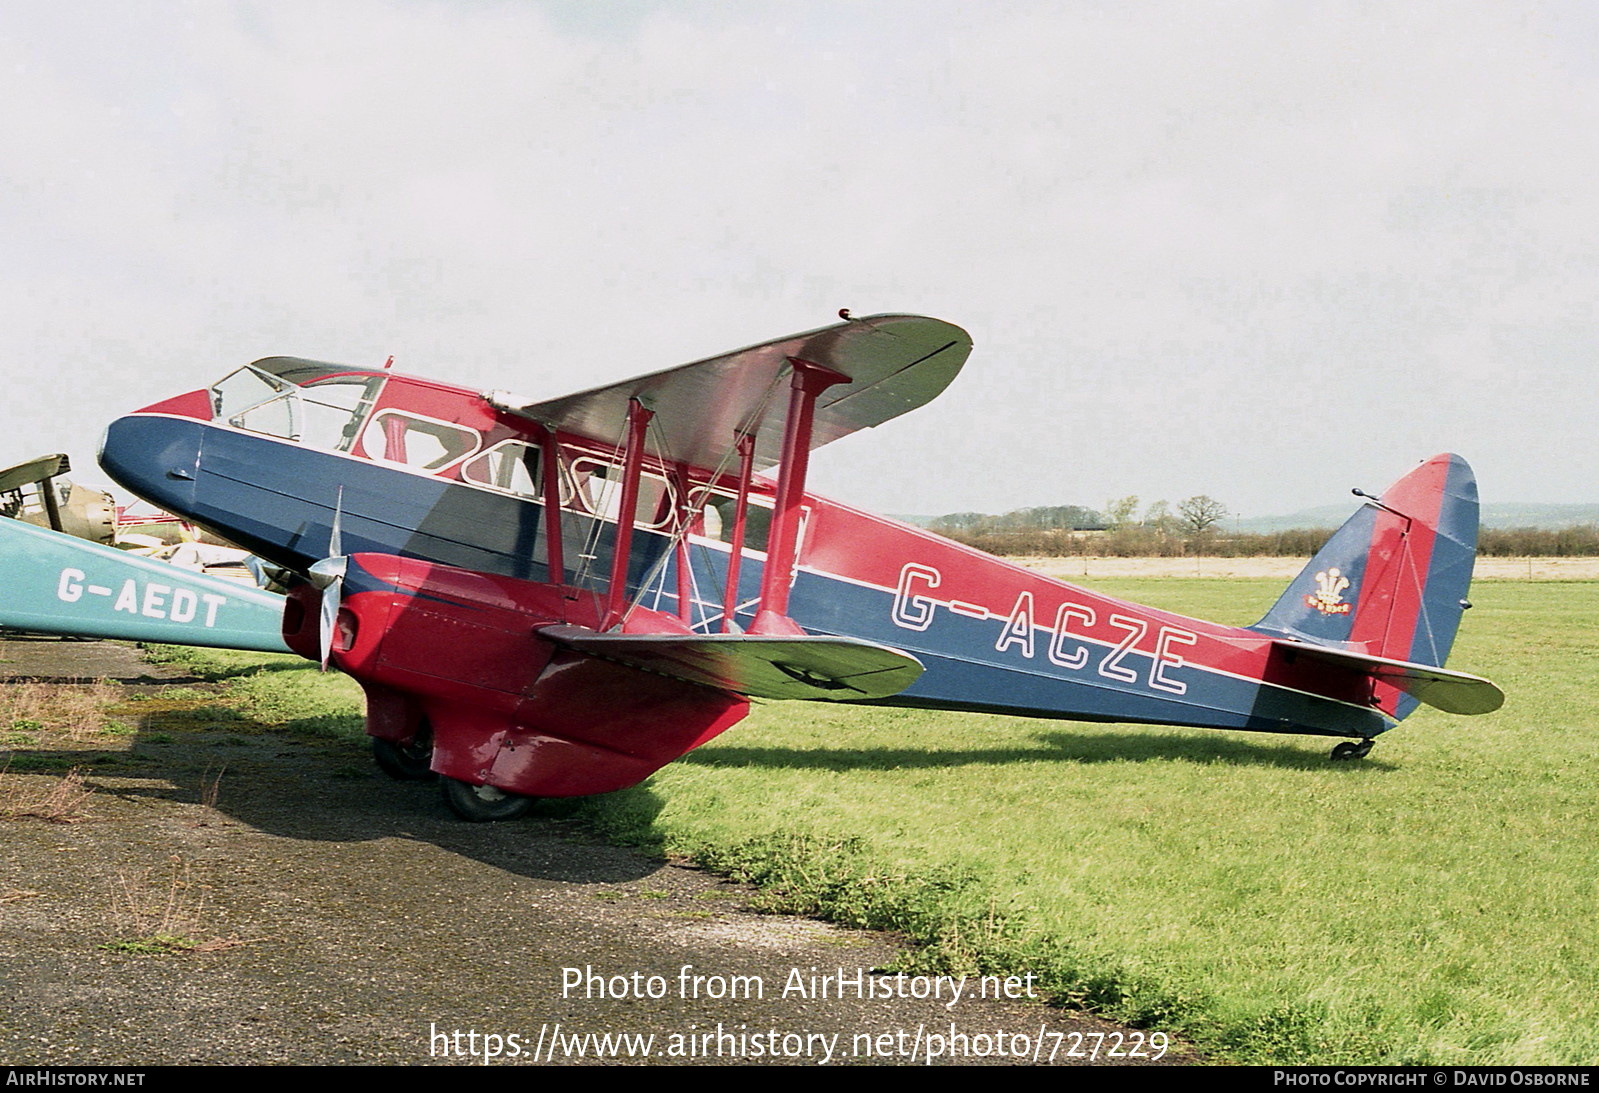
158, 458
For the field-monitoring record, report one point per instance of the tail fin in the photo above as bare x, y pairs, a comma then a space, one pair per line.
1392, 582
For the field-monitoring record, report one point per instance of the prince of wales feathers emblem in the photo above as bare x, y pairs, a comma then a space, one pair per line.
1328, 597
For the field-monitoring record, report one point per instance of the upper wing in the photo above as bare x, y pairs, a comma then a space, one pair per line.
895, 363
34, 470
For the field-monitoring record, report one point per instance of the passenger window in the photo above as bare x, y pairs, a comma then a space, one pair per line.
416, 441
511, 467
597, 488
720, 510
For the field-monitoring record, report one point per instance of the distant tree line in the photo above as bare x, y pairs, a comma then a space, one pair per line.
1194, 526
1197, 527
1143, 541
1539, 542
1046, 518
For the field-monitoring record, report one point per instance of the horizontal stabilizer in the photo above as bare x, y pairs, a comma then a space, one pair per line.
1452, 692
52, 583
814, 669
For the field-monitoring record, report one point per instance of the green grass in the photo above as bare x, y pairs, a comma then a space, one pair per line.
275, 691
1433, 903
154, 945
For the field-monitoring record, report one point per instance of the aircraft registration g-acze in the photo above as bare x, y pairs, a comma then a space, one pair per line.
556, 598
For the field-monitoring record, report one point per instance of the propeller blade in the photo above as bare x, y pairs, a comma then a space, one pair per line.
331, 594
335, 548
328, 575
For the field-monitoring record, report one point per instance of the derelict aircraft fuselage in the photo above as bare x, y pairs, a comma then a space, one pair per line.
499, 610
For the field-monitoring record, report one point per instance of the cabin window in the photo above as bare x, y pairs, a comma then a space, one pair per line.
597, 489
717, 511
419, 442
511, 467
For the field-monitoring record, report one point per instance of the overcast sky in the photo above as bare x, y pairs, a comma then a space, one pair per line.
1263, 251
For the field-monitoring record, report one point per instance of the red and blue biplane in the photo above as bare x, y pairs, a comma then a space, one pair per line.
556, 598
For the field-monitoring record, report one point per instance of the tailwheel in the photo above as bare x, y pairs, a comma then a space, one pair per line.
483, 804
409, 762
1352, 749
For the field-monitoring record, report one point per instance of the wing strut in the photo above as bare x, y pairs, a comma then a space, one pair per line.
552, 508
809, 381
685, 602
746, 467
638, 419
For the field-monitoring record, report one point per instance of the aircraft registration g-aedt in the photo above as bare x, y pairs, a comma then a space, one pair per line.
555, 598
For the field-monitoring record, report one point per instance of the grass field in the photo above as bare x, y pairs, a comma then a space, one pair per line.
1433, 903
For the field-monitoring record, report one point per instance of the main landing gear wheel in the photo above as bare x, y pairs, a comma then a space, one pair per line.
483, 804
1352, 749
406, 762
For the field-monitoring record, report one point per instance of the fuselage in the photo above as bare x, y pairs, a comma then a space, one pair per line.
424, 470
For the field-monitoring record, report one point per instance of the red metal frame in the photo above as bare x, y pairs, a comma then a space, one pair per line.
638, 420
685, 589
746, 460
809, 380
552, 507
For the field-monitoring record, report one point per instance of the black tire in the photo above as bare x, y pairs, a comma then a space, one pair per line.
406, 762
1351, 749
483, 804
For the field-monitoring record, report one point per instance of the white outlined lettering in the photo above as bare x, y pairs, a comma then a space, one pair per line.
910, 611
1111, 667
1165, 658
1057, 642
1019, 629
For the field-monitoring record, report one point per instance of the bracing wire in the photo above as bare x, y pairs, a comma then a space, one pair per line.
692, 512
597, 506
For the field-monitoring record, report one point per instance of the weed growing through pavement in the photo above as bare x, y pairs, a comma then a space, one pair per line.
60, 803
211, 786
76, 711
157, 913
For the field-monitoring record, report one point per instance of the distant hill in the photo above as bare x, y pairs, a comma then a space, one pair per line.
1508, 514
